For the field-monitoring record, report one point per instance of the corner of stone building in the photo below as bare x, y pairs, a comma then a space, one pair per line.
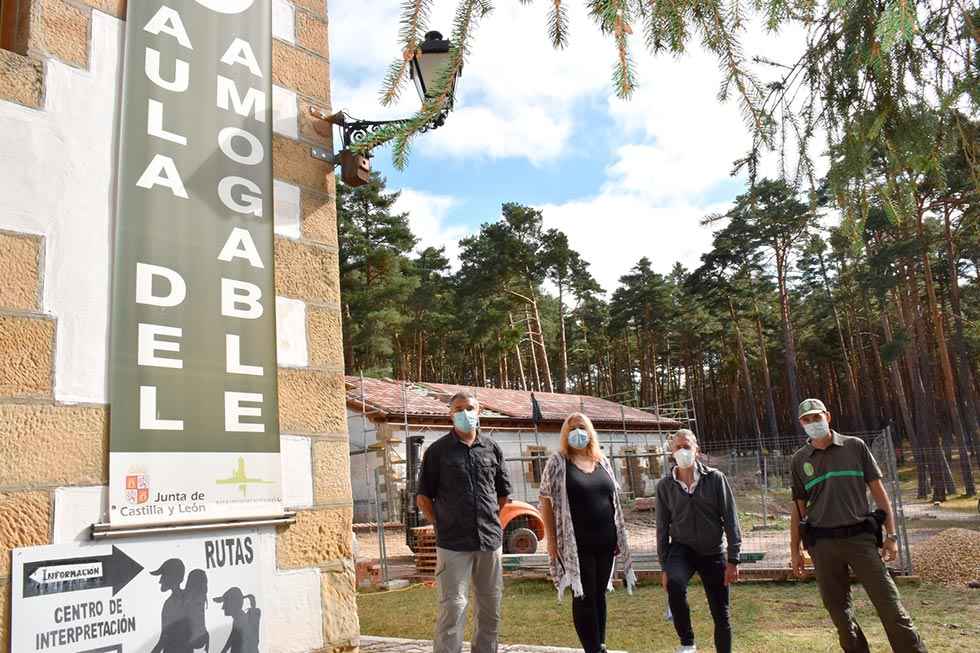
312, 397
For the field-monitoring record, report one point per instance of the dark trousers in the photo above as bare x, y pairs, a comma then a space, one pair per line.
589, 610
831, 559
680, 565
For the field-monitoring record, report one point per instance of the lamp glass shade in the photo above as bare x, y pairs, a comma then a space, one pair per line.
426, 69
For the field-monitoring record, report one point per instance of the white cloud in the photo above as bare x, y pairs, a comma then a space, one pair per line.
427, 216
673, 143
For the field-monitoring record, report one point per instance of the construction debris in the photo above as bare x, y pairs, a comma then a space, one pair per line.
951, 556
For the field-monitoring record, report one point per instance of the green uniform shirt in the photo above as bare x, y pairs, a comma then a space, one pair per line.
834, 481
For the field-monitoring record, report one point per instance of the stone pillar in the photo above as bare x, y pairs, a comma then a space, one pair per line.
61, 81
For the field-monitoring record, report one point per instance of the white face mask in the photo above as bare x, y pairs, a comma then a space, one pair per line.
817, 430
684, 458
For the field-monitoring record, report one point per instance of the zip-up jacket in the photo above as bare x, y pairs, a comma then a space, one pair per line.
698, 520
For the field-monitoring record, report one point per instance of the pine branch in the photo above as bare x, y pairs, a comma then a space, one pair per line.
468, 13
558, 24
415, 16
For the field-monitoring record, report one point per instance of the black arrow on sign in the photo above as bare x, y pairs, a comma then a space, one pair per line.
116, 572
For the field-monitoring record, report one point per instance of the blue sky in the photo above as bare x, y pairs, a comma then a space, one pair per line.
623, 179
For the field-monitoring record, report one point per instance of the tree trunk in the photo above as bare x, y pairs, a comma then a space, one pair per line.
789, 340
898, 388
538, 342
852, 386
520, 361
563, 376
771, 419
948, 387
744, 365
959, 341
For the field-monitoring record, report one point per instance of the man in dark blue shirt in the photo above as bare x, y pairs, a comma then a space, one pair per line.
462, 487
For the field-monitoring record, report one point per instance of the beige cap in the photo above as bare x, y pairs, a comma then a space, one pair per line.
811, 406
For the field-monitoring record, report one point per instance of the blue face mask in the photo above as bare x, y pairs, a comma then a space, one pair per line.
578, 438
466, 421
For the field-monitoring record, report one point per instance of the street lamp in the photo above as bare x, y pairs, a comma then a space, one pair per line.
426, 67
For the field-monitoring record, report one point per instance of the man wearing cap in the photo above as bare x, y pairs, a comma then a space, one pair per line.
175, 627
832, 474
462, 487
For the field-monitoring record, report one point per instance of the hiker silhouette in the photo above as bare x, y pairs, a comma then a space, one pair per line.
174, 626
244, 637
182, 624
195, 603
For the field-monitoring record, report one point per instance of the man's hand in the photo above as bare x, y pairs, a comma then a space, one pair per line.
889, 550
663, 579
731, 573
797, 563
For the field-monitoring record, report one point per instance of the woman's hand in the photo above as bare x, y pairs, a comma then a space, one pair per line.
663, 579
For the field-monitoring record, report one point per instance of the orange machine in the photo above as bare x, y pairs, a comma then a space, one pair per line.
523, 527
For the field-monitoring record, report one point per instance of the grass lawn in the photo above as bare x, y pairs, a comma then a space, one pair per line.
767, 617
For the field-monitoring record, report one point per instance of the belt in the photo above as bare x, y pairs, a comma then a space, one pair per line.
840, 532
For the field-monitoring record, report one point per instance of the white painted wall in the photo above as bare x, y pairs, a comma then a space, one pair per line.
57, 180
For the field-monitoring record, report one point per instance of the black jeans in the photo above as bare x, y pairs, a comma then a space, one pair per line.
589, 610
680, 565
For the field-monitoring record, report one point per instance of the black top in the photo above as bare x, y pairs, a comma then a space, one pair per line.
464, 483
591, 501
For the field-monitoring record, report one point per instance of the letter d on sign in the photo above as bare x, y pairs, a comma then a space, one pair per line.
144, 286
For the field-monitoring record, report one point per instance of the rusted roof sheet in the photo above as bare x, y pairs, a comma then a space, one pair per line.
387, 397
431, 400
556, 407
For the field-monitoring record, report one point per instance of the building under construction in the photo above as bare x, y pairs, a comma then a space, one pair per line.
392, 422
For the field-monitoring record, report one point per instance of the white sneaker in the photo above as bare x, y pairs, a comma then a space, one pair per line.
688, 649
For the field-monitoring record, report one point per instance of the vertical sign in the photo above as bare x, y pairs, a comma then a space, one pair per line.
194, 424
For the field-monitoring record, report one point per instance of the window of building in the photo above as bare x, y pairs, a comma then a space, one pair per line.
535, 465
15, 20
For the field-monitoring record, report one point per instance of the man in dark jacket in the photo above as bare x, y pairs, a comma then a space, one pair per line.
462, 487
695, 507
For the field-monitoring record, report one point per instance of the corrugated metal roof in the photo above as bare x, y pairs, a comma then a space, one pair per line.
431, 400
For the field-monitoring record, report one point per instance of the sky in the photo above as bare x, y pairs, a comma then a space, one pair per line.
542, 127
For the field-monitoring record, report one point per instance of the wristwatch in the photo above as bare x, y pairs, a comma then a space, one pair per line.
892, 537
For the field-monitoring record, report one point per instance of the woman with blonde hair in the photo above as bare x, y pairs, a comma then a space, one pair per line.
584, 527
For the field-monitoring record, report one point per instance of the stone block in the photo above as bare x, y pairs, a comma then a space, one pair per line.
20, 256
26, 356
306, 129
293, 163
302, 71
340, 623
325, 337
311, 401
319, 217
317, 537
311, 33
25, 520
307, 271
47, 445
64, 32
331, 471
115, 8
318, 7
21, 79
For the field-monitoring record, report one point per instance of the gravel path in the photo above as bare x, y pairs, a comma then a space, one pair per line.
396, 645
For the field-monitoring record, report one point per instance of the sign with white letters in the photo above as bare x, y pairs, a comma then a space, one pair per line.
194, 422
193, 593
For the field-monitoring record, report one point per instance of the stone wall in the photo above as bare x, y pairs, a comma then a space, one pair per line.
58, 113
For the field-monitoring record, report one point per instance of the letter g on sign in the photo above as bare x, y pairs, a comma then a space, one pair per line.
226, 6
